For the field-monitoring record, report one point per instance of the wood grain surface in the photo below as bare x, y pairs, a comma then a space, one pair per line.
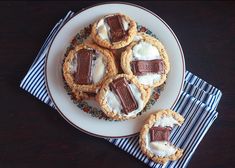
34, 135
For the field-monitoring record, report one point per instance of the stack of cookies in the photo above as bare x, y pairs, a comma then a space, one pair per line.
92, 69
122, 83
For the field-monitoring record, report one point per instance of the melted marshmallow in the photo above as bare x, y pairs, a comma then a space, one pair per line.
73, 65
166, 121
125, 24
145, 51
162, 148
98, 70
103, 29
149, 79
114, 103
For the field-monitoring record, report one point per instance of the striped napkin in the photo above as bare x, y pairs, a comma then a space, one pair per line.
197, 104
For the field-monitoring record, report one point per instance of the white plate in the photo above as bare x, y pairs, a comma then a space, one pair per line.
86, 122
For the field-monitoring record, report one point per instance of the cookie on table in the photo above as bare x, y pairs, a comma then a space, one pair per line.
86, 67
147, 59
122, 97
114, 31
154, 136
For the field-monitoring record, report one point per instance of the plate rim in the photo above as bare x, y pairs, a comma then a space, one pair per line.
99, 4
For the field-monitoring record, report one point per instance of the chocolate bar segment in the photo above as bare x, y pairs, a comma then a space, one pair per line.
160, 133
121, 88
142, 67
84, 63
117, 32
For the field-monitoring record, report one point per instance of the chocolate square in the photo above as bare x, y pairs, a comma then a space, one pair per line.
84, 63
117, 32
142, 67
159, 133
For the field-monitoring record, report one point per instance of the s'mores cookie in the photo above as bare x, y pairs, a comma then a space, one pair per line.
86, 67
147, 59
154, 136
122, 97
114, 31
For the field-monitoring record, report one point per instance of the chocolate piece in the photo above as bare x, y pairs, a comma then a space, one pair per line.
117, 32
121, 88
159, 133
84, 63
142, 67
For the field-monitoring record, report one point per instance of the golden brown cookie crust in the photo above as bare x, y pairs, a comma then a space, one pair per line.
111, 69
79, 95
102, 101
145, 130
116, 45
126, 57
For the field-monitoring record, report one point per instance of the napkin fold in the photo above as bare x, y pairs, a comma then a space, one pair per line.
197, 104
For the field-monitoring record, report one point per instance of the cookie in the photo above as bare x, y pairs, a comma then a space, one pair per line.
155, 133
122, 97
86, 67
114, 31
147, 59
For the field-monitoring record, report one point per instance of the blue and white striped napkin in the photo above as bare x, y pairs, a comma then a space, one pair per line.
197, 104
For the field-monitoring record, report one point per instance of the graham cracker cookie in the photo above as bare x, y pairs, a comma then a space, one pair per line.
147, 59
114, 31
86, 67
122, 97
154, 136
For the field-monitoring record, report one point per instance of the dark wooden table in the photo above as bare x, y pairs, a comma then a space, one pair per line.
34, 135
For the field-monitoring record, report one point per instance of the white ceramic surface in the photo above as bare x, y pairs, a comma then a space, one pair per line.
62, 100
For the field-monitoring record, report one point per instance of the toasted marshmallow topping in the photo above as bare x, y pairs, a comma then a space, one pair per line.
146, 51
114, 103
162, 148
